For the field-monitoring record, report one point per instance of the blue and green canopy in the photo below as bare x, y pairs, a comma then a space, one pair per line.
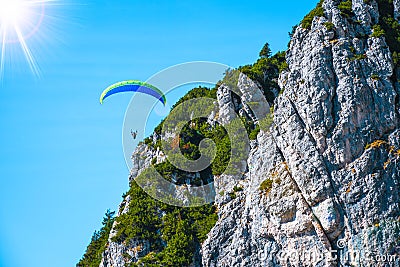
133, 86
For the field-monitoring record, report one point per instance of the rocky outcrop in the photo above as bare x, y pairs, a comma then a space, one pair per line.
226, 106
335, 188
119, 254
322, 185
396, 9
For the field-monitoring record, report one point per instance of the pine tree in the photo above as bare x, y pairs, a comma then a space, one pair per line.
265, 51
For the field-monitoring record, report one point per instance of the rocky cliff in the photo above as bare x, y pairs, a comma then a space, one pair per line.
332, 156
322, 184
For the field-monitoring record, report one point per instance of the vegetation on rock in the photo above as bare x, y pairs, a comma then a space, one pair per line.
318, 11
97, 246
266, 72
377, 31
266, 185
175, 233
390, 28
329, 25
346, 9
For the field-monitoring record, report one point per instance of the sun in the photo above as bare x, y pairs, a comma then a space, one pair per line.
19, 21
11, 11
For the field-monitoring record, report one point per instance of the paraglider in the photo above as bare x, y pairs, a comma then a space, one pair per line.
134, 134
133, 86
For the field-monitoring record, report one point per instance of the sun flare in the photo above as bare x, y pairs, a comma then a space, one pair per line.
19, 21
11, 11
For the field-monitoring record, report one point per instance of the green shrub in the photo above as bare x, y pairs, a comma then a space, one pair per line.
197, 92
237, 189
358, 57
253, 134
291, 33
375, 77
396, 58
346, 9
377, 31
283, 66
318, 11
391, 28
166, 169
141, 221
266, 185
232, 195
329, 26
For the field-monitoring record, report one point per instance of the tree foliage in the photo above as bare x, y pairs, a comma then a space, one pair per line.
389, 27
97, 246
377, 31
174, 232
346, 8
265, 51
318, 11
266, 72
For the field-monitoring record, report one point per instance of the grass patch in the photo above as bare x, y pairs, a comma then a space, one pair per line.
376, 144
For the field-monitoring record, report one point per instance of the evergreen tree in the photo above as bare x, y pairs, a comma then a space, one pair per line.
95, 249
265, 51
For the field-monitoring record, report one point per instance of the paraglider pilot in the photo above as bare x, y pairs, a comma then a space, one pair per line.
134, 134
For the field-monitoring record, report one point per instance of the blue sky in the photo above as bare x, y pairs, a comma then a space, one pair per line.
62, 164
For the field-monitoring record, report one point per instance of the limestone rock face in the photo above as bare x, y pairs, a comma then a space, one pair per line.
396, 9
254, 105
329, 165
334, 186
226, 105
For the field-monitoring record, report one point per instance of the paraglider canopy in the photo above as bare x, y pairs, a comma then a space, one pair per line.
133, 86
